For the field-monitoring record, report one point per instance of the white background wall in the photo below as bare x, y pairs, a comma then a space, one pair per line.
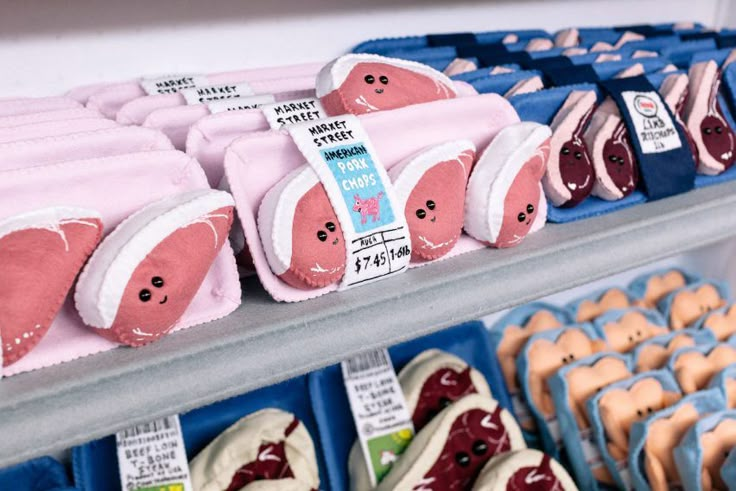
47, 46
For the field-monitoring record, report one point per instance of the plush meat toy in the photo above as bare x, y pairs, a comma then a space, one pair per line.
657, 286
654, 353
143, 276
629, 330
363, 83
706, 122
523, 470
687, 304
722, 324
431, 187
588, 309
570, 173
505, 201
694, 367
269, 450
675, 90
431, 381
300, 232
41, 253
703, 450
450, 451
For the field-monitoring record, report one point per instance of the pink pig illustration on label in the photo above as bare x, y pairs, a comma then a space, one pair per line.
369, 207
362, 83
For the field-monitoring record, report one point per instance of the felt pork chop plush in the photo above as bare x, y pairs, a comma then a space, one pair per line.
363, 83
269, 450
431, 185
524, 470
450, 451
144, 275
505, 201
301, 234
41, 253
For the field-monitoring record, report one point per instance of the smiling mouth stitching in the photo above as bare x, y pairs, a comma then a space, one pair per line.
166, 299
379, 91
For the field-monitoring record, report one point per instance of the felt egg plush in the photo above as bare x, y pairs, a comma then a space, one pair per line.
364, 83
523, 470
431, 187
269, 449
505, 201
451, 450
41, 253
715, 446
570, 174
145, 273
300, 232
693, 369
705, 120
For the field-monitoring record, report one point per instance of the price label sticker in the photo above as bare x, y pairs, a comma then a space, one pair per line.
379, 410
208, 93
151, 457
286, 113
171, 84
239, 103
341, 154
654, 127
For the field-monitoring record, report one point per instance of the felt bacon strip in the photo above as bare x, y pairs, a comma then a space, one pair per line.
431, 186
41, 253
144, 275
363, 83
705, 120
505, 201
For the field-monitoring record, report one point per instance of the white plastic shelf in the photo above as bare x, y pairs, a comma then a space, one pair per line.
266, 342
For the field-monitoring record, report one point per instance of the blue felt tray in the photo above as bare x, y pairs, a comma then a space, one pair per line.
41, 474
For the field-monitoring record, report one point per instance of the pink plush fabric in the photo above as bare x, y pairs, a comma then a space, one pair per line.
53, 128
15, 107
60, 115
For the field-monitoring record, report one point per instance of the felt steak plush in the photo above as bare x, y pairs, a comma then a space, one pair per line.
570, 174
136, 285
431, 186
704, 117
267, 450
722, 325
607, 139
689, 304
300, 232
451, 450
613, 298
505, 201
41, 253
675, 91
363, 83
431, 381
619, 408
693, 369
630, 330
523, 470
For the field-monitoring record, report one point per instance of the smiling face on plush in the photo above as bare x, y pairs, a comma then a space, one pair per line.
521, 201
722, 325
162, 286
514, 339
689, 305
434, 209
545, 357
629, 331
584, 381
658, 286
620, 162
380, 85
716, 445
610, 300
654, 356
576, 169
664, 435
619, 408
475, 436
693, 370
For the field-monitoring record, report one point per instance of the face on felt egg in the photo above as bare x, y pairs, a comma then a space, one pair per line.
372, 86
434, 210
163, 285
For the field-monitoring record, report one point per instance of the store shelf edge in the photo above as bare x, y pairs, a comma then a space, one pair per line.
264, 342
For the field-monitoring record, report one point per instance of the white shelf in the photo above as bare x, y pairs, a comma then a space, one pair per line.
265, 342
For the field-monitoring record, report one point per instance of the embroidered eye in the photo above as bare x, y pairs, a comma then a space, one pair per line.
462, 459
480, 447
322, 235
578, 155
707, 131
612, 158
521, 217
719, 129
565, 151
421, 213
639, 413
444, 402
638, 334
430, 204
144, 295
564, 360
330, 226
631, 338
369, 79
572, 356
620, 161
157, 281
650, 410
530, 208
383, 79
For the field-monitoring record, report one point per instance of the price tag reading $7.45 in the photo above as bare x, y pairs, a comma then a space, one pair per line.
374, 226
379, 410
